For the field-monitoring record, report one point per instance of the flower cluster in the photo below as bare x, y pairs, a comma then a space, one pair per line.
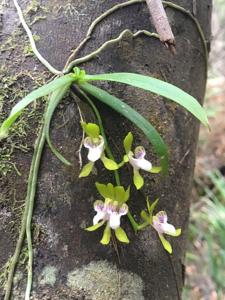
110, 211
95, 144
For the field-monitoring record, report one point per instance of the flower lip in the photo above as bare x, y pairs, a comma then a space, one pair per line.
109, 211
137, 159
95, 147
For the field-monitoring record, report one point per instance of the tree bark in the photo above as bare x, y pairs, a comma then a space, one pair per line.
70, 263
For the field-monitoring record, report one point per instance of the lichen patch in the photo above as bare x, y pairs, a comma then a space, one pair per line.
101, 280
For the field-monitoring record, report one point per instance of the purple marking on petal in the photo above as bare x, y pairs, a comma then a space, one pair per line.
139, 152
123, 210
162, 216
99, 206
88, 142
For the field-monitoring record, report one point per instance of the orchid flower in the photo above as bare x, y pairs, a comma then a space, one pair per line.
159, 222
110, 212
137, 161
95, 144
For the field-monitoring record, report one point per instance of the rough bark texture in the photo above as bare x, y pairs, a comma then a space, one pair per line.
69, 262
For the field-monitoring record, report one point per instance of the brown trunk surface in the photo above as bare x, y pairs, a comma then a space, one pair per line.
70, 263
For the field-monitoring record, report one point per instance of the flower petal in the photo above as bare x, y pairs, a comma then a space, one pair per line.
95, 149
109, 163
95, 227
98, 217
86, 170
144, 164
106, 236
162, 216
139, 152
168, 229
165, 244
138, 179
127, 143
123, 209
140, 163
114, 220
99, 205
121, 235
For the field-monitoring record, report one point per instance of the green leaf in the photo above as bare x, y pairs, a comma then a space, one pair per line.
54, 100
106, 236
155, 170
86, 170
121, 235
91, 129
159, 87
165, 244
40, 92
132, 115
109, 163
128, 141
138, 180
95, 227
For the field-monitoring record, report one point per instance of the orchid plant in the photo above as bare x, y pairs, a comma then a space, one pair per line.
110, 211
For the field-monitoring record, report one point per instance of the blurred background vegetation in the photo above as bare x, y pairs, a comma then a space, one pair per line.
205, 259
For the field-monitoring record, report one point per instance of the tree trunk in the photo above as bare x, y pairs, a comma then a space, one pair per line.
69, 262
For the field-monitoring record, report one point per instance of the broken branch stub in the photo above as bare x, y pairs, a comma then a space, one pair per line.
161, 23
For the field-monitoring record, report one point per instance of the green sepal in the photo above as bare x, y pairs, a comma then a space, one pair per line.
178, 232
121, 235
79, 74
127, 195
145, 216
127, 142
151, 207
106, 236
166, 244
91, 129
86, 170
95, 227
125, 158
109, 163
155, 170
119, 193
138, 180
102, 189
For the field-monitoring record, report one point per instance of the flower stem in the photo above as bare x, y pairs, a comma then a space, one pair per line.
99, 119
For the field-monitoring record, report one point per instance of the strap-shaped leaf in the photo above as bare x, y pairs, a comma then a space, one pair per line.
159, 87
55, 99
40, 92
124, 109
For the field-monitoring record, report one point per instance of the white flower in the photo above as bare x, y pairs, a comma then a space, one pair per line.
95, 147
138, 161
109, 211
160, 224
